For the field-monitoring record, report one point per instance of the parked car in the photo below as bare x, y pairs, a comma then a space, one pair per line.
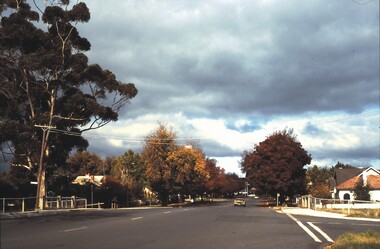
239, 202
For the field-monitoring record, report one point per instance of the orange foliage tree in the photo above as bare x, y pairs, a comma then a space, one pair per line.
158, 145
187, 171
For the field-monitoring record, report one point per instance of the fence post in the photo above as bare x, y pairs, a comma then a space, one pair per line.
73, 201
23, 205
59, 202
3, 205
348, 210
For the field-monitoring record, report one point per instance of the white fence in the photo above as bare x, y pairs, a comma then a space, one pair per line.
307, 201
28, 203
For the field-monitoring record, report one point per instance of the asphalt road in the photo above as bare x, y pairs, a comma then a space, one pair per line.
218, 226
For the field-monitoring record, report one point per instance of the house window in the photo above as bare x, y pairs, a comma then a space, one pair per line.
346, 197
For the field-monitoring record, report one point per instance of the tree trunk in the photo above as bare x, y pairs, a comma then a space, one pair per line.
41, 187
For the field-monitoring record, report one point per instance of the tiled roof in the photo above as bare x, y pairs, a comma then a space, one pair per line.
345, 174
374, 181
349, 184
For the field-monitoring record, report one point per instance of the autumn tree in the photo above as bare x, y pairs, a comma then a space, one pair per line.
230, 184
276, 165
317, 181
187, 172
49, 92
214, 183
82, 163
158, 145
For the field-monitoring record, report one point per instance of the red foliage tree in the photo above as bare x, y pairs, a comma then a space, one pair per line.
276, 165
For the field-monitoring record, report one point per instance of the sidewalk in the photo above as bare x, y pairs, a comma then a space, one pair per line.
12, 215
310, 212
5, 216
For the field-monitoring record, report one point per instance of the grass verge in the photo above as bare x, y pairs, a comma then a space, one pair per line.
365, 240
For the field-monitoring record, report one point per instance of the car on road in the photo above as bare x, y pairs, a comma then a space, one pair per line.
239, 202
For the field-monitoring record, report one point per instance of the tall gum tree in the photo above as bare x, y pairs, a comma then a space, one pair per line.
276, 165
49, 92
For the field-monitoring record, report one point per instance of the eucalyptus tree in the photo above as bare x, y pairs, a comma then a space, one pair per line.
49, 93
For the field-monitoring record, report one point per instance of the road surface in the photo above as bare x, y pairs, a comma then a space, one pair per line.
217, 226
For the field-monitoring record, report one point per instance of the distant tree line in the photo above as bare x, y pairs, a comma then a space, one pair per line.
173, 172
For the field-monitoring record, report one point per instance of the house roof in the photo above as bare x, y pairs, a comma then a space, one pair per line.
369, 169
349, 184
372, 180
345, 174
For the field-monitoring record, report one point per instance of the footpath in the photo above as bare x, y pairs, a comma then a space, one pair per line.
311, 212
13, 215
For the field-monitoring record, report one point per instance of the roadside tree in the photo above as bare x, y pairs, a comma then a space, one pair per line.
361, 190
130, 170
230, 184
317, 181
276, 165
158, 145
49, 92
187, 172
214, 183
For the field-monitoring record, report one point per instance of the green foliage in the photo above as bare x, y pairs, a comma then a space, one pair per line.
361, 191
130, 170
276, 165
317, 181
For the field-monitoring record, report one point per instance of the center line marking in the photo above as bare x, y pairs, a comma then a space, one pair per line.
137, 218
167, 212
74, 229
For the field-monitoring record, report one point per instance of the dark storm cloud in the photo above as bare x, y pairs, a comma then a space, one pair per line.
288, 57
241, 59
362, 153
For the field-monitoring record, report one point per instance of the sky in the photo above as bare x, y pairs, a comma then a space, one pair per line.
229, 73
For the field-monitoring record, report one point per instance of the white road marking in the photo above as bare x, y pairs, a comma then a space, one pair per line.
167, 212
307, 230
137, 218
74, 229
320, 231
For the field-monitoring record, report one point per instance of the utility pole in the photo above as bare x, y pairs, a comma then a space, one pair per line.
41, 186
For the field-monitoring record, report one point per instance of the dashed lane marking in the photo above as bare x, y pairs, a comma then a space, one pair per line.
75, 229
137, 218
